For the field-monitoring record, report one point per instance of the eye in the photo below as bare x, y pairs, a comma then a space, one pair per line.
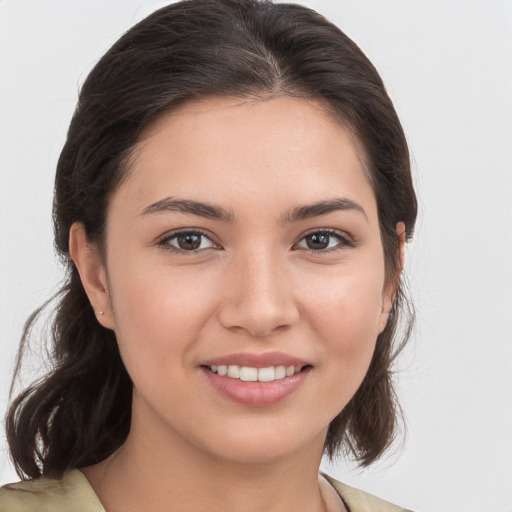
187, 241
324, 240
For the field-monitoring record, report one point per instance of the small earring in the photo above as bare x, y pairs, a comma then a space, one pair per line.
100, 312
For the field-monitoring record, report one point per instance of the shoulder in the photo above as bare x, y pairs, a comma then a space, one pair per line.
360, 501
71, 492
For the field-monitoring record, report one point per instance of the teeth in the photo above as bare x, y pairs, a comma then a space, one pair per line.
279, 372
266, 374
234, 371
249, 374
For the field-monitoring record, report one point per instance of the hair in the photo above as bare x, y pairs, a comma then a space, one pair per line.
80, 412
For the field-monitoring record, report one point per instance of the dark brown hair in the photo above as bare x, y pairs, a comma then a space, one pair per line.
79, 413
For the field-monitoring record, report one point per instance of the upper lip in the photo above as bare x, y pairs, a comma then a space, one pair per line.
264, 360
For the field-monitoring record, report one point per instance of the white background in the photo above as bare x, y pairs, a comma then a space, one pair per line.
448, 68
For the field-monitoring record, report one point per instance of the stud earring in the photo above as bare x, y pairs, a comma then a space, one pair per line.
100, 312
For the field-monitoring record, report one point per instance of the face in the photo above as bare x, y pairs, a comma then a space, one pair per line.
245, 241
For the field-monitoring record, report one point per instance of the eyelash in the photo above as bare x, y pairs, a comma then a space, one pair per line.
164, 242
343, 241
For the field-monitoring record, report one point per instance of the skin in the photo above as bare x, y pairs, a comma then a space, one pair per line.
253, 286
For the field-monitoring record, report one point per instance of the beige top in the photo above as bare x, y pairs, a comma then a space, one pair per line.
72, 493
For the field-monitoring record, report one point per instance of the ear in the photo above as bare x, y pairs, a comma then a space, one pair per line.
92, 272
391, 287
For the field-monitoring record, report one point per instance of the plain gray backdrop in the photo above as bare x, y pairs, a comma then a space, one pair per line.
448, 67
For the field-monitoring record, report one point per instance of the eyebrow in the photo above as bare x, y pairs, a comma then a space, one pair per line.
210, 211
169, 204
323, 208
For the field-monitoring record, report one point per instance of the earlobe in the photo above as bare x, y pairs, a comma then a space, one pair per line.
92, 273
392, 287
401, 232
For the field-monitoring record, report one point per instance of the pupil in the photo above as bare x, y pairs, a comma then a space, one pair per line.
189, 242
318, 241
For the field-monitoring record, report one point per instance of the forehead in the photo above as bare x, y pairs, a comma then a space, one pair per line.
221, 148
311, 119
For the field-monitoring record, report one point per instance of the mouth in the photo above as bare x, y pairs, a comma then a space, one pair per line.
255, 374
255, 380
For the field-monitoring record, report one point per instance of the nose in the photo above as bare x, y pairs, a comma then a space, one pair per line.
258, 297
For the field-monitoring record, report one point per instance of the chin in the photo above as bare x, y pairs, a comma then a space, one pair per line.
259, 453
249, 446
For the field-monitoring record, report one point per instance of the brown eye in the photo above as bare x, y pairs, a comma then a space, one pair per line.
324, 241
318, 241
187, 241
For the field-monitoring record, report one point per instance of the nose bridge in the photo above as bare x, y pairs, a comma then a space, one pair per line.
261, 298
260, 283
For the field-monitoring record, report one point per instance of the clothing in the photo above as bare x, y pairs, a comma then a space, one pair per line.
358, 501
72, 493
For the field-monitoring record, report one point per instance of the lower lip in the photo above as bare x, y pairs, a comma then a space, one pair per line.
256, 394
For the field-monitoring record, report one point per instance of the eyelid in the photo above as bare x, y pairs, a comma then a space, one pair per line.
163, 240
345, 240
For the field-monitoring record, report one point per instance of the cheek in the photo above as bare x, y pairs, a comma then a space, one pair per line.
345, 315
158, 314
347, 302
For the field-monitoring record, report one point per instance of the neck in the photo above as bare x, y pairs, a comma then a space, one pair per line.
154, 470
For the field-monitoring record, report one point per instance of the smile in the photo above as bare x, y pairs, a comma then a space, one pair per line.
253, 374
256, 380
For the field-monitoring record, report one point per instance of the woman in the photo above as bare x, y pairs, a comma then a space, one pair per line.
233, 202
